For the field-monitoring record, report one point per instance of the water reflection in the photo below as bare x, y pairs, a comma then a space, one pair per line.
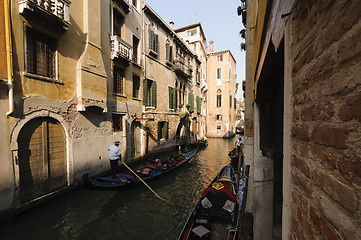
129, 214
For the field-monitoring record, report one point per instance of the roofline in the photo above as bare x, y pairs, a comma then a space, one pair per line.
224, 51
146, 7
190, 27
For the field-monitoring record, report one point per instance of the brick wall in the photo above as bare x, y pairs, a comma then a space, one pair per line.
326, 152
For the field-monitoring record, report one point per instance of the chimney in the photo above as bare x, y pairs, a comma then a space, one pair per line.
211, 46
171, 25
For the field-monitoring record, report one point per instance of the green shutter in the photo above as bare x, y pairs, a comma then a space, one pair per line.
192, 102
154, 94
174, 99
145, 100
166, 130
198, 101
170, 92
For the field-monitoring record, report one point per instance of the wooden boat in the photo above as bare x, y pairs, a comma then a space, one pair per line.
147, 173
216, 214
203, 142
234, 154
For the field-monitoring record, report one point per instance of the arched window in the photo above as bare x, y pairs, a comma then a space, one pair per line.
219, 99
219, 73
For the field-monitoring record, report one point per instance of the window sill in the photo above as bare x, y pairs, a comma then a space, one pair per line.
119, 95
42, 78
149, 108
154, 53
137, 99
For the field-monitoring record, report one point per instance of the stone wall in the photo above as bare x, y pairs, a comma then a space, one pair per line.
326, 146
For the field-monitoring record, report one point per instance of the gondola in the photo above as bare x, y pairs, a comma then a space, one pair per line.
216, 214
234, 154
147, 173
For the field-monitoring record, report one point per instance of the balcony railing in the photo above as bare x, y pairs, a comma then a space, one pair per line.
120, 48
56, 8
182, 68
126, 4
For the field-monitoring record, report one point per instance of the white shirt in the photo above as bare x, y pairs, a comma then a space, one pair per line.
114, 152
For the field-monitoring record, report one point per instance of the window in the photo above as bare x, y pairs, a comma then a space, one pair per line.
118, 83
117, 122
191, 101
199, 102
219, 73
198, 76
229, 73
162, 130
230, 101
219, 99
136, 86
40, 54
172, 98
168, 52
135, 49
150, 93
220, 58
230, 118
153, 41
192, 32
219, 127
118, 22
219, 117
135, 3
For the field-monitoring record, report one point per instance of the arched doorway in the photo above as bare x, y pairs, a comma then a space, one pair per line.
183, 131
41, 158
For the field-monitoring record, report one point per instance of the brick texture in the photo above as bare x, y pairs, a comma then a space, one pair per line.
330, 136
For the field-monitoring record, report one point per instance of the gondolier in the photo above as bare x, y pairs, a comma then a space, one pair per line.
115, 155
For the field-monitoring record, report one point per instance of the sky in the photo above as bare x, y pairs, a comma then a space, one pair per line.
219, 20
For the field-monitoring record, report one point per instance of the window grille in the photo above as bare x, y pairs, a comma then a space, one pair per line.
40, 54
119, 81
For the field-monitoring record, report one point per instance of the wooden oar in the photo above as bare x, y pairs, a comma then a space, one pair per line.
145, 183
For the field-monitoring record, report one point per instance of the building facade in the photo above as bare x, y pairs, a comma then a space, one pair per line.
71, 87
194, 36
222, 89
169, 77
302, 118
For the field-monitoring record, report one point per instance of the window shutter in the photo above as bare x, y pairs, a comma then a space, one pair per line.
170, 92
145, 100
154, 94
165, 130
198, 100
159, 130
192, 102
167, 51
174, 99
170, 53
150, 37
156, 43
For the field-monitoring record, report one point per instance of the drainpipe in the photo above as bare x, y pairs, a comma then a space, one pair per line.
9, 56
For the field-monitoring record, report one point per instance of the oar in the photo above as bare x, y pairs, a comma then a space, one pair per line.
145, 183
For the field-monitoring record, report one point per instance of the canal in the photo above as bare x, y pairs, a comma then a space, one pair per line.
129, 214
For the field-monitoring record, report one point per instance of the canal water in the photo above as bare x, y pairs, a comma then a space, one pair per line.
129, 214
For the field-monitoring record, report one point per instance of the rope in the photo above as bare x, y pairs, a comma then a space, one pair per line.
145, 183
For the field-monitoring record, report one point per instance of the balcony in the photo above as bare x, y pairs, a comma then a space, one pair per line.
182, 69
125, 4
120, 48
54, 9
